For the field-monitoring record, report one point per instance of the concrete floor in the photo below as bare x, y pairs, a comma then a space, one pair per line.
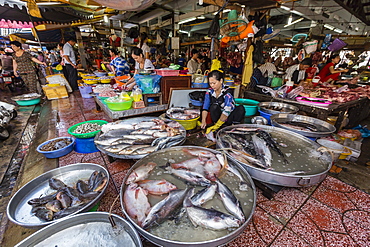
335, 212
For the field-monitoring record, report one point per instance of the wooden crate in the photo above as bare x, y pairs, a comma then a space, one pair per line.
57, 92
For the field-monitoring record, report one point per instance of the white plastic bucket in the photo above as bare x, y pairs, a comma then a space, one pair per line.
333, 147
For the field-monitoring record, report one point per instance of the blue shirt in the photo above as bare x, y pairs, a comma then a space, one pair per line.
228, 104
121, 66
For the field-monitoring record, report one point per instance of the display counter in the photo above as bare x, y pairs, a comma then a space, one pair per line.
357, 110
114, 115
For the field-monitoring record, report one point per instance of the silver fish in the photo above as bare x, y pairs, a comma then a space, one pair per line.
157, 187
116, 125
244, 157
163, 209
262, 150
116, 148
140, 173
194, 164
191, 177
136, 137
204, 195
136, 203
124, 141
107, 141
208, 218
131, 149
145, 150
231, 203
115, 133
145, 125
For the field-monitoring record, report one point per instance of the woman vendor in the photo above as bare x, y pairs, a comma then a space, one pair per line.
328, 73
141, 63
219, 103
118, 64
23, 66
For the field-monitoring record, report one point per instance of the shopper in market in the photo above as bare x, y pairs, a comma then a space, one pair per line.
193, 63
23, 66
329, 73
70, 62
118, 64
219, 103
143, 45
141, 63
297, 73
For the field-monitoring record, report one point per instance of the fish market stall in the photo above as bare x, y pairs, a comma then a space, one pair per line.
275, 156
58, 193
134, 138
196, 197
357, 109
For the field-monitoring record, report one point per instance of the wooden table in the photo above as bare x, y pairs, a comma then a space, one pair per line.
114, 115
357, 110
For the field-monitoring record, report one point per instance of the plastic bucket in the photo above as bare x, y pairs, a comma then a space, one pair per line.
337, 45
249, 105
85, 91
337, 150
85, 146
265, 115
187, 124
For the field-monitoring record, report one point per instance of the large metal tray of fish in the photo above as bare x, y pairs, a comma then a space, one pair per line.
188, 196
307, 126
58, 193
277, 107
93, 229
134, 138
274, 155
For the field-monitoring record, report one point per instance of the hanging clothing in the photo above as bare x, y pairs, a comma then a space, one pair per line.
216, 64
248, 67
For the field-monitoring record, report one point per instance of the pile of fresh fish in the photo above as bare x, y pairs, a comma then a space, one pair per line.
298, 125
87, 128
56, 144
28, 96
203, 169
181, 113
67, 200
252, 146
143, 137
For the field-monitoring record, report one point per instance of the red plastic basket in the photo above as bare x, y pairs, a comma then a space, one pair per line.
167, 72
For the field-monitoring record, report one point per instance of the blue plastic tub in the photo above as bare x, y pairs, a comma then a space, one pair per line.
85, 146
59, 152
249, 105
196, 102
265, 115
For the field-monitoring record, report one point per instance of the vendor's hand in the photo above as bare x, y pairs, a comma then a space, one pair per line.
215, 127
44, 64
16, 74
203, 125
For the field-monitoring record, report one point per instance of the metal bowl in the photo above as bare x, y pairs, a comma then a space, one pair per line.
19, 211
132, 121
182, 233
285, 108
55, 234
303, 157
324, 128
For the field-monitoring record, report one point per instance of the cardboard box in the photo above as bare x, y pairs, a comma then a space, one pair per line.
57, 92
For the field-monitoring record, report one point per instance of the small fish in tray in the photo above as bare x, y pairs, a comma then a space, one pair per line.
300, 126
67, 200
181, 113
56, 144
204, 168
140, 138
87, 128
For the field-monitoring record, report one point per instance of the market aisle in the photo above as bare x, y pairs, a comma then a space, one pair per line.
329, 214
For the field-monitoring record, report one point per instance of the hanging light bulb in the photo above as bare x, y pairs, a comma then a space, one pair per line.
290, 19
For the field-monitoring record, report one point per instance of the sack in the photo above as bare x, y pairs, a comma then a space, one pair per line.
258, 52
197, 95
198, 76
310, 46
148, 83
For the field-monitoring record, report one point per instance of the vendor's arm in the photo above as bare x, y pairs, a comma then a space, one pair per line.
37, 61
333, 71
15, 68
205, 110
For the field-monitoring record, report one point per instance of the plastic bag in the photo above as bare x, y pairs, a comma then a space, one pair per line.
148, 83
197, 77
197, 95
310, 46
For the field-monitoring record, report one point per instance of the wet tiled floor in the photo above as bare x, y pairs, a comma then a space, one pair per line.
331, 213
